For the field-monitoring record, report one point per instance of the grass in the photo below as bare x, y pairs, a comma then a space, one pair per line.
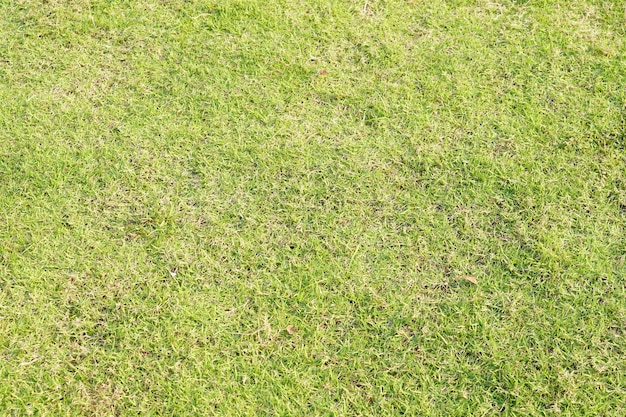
272, 207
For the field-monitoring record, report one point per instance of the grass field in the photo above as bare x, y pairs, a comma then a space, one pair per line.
348, 208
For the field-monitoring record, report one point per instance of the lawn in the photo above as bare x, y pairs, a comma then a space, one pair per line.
325, 208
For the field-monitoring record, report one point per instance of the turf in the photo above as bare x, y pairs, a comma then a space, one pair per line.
313, 207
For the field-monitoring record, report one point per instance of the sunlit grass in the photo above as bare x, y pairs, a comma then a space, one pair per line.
273, 208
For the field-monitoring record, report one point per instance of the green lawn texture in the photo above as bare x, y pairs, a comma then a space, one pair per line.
325, 208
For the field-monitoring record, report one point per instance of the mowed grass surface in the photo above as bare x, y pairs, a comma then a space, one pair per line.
272, 207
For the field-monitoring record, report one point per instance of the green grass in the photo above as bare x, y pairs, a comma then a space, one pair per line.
183, 181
